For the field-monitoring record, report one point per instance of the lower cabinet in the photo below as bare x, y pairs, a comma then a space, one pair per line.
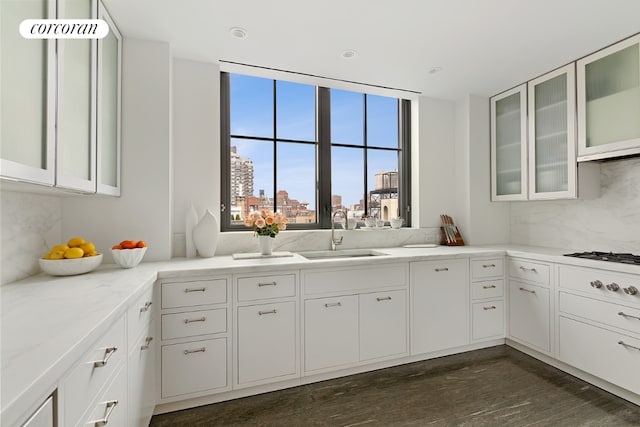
383, 324
111, 407
43, 416
440, 305
529, 315
142, 381
266, 341
488, 319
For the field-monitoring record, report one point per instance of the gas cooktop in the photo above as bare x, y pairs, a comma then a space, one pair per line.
608, 256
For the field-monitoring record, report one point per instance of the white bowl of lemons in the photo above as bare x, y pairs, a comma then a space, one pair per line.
76, 257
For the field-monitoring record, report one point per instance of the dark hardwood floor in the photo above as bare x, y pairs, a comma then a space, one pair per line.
498, 386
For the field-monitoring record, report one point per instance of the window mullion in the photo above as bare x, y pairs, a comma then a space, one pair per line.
323, 211
365, 152
275, 149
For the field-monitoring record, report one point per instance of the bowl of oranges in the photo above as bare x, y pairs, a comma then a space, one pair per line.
76, 257
129, 253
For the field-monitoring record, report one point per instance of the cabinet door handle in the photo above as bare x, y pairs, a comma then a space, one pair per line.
333, 304
527, 290
267, 284
110, 406
383, 299
625, 345
187, 290
200, 319
533, 270
493, 307
196, 350
442, 269
146, 307
623, 314
488, 286
488, 265
147, 341
108, 352
261, 313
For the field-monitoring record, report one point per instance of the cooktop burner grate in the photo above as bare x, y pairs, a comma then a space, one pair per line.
608, 256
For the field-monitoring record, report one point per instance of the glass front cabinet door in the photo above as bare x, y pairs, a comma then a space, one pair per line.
509, 145
552, 143
609, 101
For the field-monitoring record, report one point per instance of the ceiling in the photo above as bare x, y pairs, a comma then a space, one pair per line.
483, 46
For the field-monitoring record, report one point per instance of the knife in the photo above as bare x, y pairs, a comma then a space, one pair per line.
445, 227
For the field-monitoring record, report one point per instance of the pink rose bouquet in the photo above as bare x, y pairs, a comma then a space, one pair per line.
266, 223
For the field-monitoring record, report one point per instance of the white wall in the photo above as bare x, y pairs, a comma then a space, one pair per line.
143, 211
196, 143
608, 223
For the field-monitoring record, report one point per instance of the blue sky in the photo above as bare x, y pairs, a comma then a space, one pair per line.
252, 115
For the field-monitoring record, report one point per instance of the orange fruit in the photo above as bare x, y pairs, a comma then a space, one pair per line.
117, 247
141, 244
128, 244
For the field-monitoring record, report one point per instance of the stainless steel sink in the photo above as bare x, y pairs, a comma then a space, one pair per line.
345, 253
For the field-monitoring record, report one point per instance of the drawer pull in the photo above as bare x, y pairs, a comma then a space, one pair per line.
147, 341
625, 345
596, 284
199, 319
442, 269
110, 406
383, 299
613, 287
489, 287
333, 304
197, 350
631, 290
261, 313
187, 290
527, 290
533, 270
146, 307
623, 314
493, 307
267, 284
108, 352
488, 265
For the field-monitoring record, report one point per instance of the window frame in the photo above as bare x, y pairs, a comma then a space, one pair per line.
323, 157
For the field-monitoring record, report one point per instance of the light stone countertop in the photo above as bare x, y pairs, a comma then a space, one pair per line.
47, 322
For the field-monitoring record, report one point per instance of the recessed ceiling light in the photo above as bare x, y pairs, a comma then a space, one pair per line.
435, 70
349, 53
239, 33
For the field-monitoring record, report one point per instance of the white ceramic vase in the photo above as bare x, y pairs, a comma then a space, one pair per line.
205, 235
266, 245
191, 220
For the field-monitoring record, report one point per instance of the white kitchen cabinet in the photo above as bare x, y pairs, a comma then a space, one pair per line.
267, 342
487, 295
111, 406
76, 103
109, 122
27, 134
331, 336
488, 320
439, 305
529, 315
43, 416
552, 146
509, 145
609, 101
383, 324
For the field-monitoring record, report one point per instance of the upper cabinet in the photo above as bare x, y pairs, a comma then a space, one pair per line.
60, 101
509, 144
609, 101
27, 123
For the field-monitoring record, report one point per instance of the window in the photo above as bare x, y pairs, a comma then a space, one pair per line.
305, 151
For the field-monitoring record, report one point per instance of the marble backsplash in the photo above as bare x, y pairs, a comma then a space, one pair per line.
29, 224
608, 223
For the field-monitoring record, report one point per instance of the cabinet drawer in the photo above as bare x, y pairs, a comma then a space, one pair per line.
189, 294
139, 315
599, 311
93, 370
529, 311
483, 268
599, 283
488, 319
488, 289
383, 324
600, 352
192, 323
194, 366
355, 278
111, 407
266, 287
530, 271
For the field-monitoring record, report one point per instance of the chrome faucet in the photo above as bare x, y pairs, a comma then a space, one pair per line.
335, 241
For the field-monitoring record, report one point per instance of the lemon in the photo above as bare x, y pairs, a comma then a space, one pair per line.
90, 253
73, 253
75, 242
47, 256
59, 248
88, 247
57, 254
